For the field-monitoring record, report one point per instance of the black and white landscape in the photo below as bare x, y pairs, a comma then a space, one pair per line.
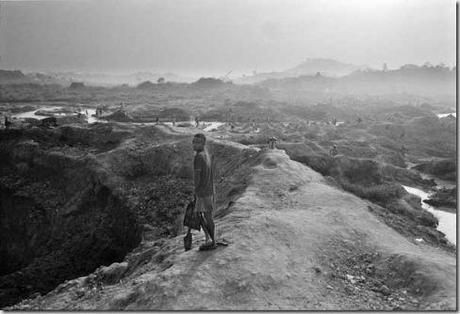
354, 209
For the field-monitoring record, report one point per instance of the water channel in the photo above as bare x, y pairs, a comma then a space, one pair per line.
447, 221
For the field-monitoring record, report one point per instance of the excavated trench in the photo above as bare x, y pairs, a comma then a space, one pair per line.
59, 219
73, 199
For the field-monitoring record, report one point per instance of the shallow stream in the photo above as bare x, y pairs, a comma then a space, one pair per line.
447, 221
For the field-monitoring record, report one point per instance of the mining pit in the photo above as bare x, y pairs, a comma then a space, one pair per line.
76, 197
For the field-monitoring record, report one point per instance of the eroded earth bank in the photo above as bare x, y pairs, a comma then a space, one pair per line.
91, 220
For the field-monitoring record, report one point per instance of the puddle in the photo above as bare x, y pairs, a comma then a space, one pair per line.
443, 115
32, 114
89, 113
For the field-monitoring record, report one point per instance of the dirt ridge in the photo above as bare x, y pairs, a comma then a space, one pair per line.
293, 242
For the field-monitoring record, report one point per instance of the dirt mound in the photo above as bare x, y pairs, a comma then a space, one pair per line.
208, 82
444, 198
405, 176
145, 85
71, 119
357, 170
444, 169
119, 116
77, 85
148, 114
377, 182
295, 243
13, 77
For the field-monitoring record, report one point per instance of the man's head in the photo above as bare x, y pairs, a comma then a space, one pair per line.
198, 142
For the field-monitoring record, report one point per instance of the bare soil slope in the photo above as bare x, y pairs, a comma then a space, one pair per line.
297, 243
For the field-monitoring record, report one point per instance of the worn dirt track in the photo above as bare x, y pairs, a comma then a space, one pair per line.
289, 233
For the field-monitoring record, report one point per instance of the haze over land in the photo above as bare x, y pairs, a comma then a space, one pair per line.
205, 37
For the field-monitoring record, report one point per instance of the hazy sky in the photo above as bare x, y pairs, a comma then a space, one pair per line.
216, 36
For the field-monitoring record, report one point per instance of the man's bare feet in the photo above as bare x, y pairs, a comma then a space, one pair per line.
208, 246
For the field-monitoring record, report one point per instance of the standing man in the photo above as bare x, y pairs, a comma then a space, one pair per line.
7, 123
333, 152
204, 190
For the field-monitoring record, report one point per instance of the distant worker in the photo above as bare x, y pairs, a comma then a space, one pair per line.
157, 120
204, 190
272, 142
334, 121
333, 152
174, 121
197, 121
7, 123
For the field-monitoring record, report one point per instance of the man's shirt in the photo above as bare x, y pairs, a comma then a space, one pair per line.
202, 174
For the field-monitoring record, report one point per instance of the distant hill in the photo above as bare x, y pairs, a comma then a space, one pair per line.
96, 79
40, 78
109, 79
311, 66
327, 67
13, 77
208, 82
145, 85
409, 79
